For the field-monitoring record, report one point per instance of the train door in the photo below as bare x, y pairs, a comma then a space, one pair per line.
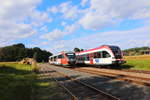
59, 59
64, 59
87, 59
91, 58
106, 58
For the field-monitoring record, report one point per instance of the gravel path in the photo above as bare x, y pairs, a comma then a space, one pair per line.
120, 89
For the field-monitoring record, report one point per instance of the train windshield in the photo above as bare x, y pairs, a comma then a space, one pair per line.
117, 52
70, 55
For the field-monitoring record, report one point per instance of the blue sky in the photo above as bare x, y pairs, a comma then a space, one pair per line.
57, 25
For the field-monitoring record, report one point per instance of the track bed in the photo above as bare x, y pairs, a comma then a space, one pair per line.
79, 90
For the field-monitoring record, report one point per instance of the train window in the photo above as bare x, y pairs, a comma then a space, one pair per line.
55, 58
50, 59
105, 54
81, 57
77, 57
84, 57
70, 55
87, 58
59, 56
62, 56
97, 55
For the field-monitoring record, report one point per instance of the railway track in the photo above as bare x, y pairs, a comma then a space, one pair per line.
78, 90
137, 71
130, 76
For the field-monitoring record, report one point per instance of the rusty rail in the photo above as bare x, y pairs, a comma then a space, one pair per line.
129, 78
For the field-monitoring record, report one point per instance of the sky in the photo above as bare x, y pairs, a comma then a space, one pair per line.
58, 25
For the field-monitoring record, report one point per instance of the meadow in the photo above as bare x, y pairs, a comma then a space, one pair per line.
18, 82
141, 62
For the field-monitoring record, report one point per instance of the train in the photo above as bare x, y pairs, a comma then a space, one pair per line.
63, 58
104, 55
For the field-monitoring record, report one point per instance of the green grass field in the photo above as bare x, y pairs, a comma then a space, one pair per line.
18, 82
138, 62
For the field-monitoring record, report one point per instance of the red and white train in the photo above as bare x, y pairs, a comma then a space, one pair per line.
103, 55
63, 58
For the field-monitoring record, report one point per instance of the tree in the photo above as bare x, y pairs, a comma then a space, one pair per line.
76, 50
20, 45
135, 51
17, 52
35, 56
81, 49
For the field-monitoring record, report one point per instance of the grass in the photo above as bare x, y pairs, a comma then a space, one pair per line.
18, 82
138, 62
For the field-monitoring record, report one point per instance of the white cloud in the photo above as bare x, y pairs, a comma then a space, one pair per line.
104, 13
83, 2
63, 23
44, 28
53, 9
67, 10
95, 21
19, 19
58, 34
54, 35
39, 18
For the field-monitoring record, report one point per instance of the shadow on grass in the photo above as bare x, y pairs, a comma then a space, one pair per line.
17, 84
10, 70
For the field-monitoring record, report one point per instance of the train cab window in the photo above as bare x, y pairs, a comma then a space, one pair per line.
70, 55
60, 56
105, 54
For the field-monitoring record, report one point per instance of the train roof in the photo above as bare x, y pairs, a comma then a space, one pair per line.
63, 52
100, 47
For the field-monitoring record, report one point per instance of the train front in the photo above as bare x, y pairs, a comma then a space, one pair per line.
118, 56
71, 58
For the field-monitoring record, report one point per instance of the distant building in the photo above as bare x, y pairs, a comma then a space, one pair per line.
145, 52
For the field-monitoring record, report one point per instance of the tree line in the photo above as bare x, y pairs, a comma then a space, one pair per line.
17, 52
